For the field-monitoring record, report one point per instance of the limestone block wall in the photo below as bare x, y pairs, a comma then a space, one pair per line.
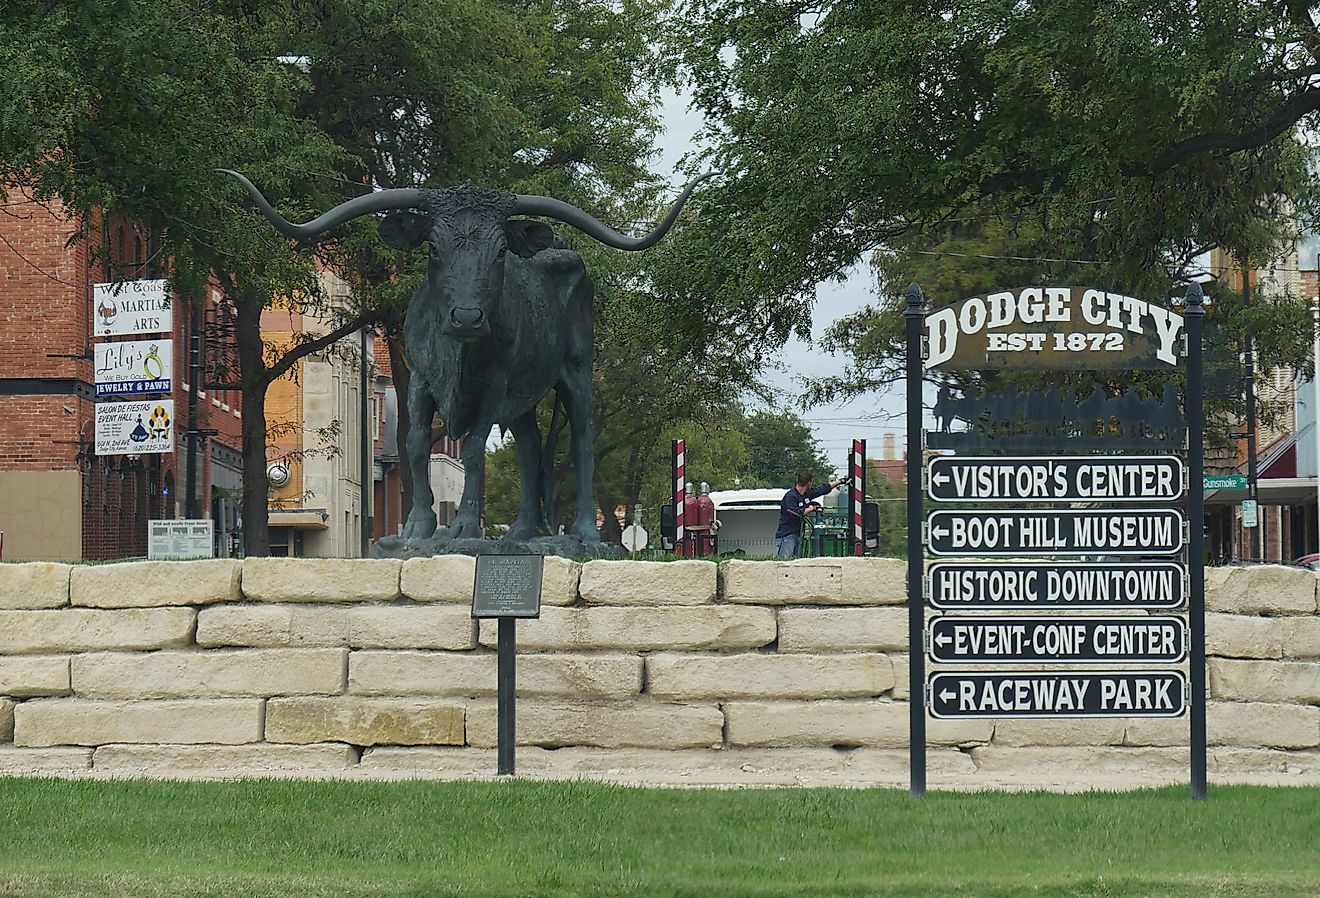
755, 672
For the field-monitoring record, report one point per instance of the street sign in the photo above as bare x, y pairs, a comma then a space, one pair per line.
133, 307
135, 428
996, 586
1056, 479
133, 366
507, 586
1225, 482
1249, 513
1052, 694
1129, 531
1091, 640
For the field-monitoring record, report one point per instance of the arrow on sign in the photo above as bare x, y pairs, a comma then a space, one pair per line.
939, 532
945, 695
939, 479
943, 639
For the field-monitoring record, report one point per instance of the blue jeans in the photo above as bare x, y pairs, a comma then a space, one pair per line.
787, 545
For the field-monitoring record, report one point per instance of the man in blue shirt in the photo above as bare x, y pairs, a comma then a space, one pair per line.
795, 506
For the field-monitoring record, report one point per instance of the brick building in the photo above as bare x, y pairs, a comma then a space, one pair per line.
58, 498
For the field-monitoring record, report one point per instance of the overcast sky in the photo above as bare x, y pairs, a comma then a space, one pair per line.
834, 426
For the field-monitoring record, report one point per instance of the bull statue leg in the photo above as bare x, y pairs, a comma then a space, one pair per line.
530, 521
421, 409
467, 524
576, 387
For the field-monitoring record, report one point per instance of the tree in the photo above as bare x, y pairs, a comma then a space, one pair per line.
1130, 135
779, 446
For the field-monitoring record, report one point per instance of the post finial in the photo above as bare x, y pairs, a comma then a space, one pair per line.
916, 300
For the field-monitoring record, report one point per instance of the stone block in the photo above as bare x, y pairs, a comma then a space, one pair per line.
6, 720
642, 724
44, 722
839, 724
1265, 681
1265, 589
34, 584
88, 630
843, 629
364, 721
1268, 766
44, 761
691, 582
902, 677
321, 579
1112, 766
150, 584
29, 676
815, 581
440, 578
474, 674
768, 676
273, 626
642, 629
1243, 636
412, 626
1157, 731
217, 674
1301, 637
225, 761
888, 766
1064, 732
1262, 725
427, 762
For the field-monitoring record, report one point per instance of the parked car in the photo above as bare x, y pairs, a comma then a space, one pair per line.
1311, 562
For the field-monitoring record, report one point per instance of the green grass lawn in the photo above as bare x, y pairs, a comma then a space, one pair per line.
270, 838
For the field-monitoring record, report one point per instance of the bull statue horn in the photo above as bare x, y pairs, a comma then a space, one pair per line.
379, 201
559, 210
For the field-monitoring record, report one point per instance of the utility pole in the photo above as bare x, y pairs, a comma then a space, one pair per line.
368, 425
1249, 363
1315, 402
194, 385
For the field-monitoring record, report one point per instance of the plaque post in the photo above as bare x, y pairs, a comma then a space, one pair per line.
1195, 317
915, 317
506, 690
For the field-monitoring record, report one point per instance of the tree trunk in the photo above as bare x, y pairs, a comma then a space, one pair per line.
256, 519
609, 528
402, 375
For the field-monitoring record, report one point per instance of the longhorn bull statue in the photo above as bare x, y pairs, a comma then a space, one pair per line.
503, 315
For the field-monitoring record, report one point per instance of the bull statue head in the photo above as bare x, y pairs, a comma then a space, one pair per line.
509, 284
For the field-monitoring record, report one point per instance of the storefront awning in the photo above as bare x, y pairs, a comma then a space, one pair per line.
299, 519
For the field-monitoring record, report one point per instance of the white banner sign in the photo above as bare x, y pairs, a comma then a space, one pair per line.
134, 366
181, 539
133, 307
135, 428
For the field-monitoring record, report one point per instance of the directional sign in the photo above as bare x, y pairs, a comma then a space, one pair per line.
1224, 482
984, 586
1058, 479
1052, 694
1127, 531
1094, 640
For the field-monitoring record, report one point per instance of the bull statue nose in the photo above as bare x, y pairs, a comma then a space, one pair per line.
466, 319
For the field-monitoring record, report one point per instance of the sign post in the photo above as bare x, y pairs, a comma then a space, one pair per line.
1115, 515
507, 587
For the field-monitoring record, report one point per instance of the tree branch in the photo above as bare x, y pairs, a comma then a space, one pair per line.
1283, 118
280, 368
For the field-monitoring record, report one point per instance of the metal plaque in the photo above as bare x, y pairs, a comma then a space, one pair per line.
1053, 327
507, 586
1125, 531
1058, 479
1090, 640
1053, 694
997, 586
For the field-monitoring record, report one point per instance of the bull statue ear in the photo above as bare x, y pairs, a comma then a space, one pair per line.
405, 230
527, 237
